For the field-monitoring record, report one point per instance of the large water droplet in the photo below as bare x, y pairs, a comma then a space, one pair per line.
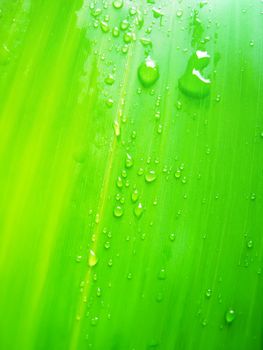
150, 176
193, 83
92, 260
148, 72
117, 4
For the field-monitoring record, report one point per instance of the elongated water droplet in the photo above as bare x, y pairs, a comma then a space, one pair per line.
138, 210
117, 128
135, 195
128, 161
92, 260
148, 72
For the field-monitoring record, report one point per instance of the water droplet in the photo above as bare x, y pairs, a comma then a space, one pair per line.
115, 32
148, 72
118, 211
177, 174
208, 293
109, 80
250, 244
179, 13
150, 176
193, 83
135, 195
157, 13
117, 128
128, 161
128, 37
104, 26
78, 258
119, 182
230, 315
94, 321
253, 196
138, 210
107, 245
129, 276
92, 260
146, 42
172, 236
109, 102
124, 24
98, 292
117, 4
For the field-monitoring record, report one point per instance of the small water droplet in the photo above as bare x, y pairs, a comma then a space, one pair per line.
129, 276
250, 244
118, 211
109, 80
135, 195
117, 128
230, 315
148, 72
78, 258
208, 293
179, 13
107, 245
138, 210
128, 161
172, 236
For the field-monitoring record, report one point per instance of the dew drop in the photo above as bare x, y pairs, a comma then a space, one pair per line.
104, 26
208, 293
250, 244
148, 72
138, 210
230, 315
109, 80
92, 260
193, 83
118, 211
128, 161
117, 4
135, 195
78, 258
117, 128
172, 236
150, 176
